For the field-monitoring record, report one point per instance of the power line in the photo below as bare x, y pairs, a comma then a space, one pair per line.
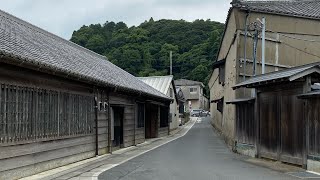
300, 50
292, 37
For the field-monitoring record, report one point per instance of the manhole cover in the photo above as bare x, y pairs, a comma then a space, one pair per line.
304, 175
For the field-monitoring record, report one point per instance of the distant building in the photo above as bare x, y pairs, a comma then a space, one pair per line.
193, 94
165, 85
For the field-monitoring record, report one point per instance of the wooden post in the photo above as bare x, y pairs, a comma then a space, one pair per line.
305, 139
168, 108
96, 124
135, 124
109, 124
257, 123
279, 102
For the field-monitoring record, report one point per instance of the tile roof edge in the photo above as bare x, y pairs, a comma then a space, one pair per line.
46, 33
69, 75
245, 5
312, 65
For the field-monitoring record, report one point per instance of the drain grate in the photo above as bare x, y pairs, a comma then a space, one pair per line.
304, 175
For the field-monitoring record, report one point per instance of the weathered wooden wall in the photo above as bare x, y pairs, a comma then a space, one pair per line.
281, 124
139, 131
245, 126
103, 117
22, 156
129, 119
26, 157
313, 117
163, 116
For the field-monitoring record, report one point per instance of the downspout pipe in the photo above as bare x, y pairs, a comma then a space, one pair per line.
263, 44
245, 46
96, 124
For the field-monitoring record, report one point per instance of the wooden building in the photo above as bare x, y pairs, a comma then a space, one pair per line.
165, 85
292, 32
277, 123
61, 103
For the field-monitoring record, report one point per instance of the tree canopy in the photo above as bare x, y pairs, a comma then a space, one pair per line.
144, 50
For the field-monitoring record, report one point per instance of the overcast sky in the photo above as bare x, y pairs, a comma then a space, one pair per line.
62, 17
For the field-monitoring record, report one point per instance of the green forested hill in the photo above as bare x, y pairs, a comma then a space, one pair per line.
144, 50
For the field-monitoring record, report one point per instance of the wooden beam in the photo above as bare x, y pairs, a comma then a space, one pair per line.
306, 121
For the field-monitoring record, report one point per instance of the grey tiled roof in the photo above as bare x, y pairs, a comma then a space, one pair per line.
277, 75
186, 82
302, 8
30, 45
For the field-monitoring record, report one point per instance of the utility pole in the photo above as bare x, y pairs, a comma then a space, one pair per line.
245, 49
263, 44
170, 62
255, 43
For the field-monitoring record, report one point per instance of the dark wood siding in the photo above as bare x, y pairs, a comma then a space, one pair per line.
281, 125
268, 124
245, 123
313, 115
30, 134
129, 119
48, 120
152, 123
291, 121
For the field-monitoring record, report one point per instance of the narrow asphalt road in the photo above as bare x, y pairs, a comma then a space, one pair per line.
199, 155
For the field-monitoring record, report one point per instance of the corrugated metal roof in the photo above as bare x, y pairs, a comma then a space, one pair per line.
283, 74
160, 83
27, 44
302, 8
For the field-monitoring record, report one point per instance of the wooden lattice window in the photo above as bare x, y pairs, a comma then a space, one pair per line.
33, 114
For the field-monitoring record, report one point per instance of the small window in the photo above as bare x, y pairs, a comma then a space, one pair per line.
140, 115
220, 105
193, 90
222, 75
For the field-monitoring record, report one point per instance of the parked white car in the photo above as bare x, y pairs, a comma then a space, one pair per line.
196, 112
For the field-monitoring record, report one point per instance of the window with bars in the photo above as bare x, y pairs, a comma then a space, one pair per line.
33, 114
141, 115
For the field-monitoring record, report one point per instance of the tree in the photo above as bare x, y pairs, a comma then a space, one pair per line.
144, 50
96, 43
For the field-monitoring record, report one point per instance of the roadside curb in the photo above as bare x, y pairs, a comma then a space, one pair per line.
93, 167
